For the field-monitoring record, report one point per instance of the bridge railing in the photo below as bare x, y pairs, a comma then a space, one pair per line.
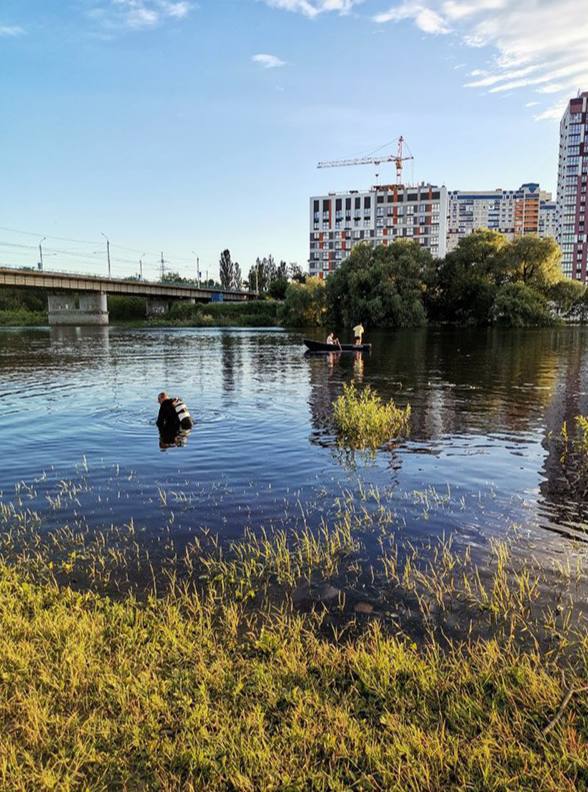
128, 279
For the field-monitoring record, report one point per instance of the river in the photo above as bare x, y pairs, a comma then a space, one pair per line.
79, 405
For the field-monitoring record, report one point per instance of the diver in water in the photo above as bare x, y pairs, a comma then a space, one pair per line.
173, 415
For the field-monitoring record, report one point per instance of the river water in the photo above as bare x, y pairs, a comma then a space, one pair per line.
484, 451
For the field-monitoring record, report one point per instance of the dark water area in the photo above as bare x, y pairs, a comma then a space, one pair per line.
80, 447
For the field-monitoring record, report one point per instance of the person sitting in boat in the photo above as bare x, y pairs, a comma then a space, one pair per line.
173, 415
333, 340
358, 332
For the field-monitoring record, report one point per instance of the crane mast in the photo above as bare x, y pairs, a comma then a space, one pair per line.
399, 159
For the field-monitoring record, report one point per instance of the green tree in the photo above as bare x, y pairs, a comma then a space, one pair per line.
237, 276
381, 287
568, 296
519, 305
226, 270
469, 277
534, 261
305, 303
174, 277
296, 273
278, 287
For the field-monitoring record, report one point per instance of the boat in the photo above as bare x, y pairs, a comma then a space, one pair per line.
321, 346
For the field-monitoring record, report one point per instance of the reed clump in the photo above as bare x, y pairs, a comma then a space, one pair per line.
363, 420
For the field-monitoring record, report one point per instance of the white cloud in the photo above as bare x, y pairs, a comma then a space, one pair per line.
538, 44
268, 61
425, 18
312, 8
11, 31
138, 14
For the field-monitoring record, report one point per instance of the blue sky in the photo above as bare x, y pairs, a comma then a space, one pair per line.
189, 127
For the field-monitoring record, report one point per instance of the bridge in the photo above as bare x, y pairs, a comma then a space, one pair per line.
77, 299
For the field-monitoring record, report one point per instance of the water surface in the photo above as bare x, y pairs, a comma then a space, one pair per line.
487, 409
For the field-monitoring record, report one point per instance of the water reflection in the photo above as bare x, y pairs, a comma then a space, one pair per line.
487, 409
174, 439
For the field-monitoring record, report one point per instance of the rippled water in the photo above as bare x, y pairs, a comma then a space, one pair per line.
487, 407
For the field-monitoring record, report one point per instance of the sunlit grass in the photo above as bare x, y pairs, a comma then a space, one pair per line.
197, 691
285, 659
363, 420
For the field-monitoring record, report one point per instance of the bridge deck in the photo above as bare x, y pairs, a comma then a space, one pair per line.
64, 281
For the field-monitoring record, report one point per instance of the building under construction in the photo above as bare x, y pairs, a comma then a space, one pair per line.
380, 215
430, 215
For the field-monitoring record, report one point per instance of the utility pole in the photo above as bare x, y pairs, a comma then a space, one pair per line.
141, 267
107, 251
162, 266
41, 254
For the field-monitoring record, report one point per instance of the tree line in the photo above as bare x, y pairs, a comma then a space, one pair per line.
487, 279
266, 276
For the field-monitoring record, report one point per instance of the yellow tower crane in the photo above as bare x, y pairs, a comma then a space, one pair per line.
399, 158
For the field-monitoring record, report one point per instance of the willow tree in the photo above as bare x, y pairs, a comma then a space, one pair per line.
380, 287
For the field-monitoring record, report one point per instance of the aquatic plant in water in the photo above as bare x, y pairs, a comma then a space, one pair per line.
363, 420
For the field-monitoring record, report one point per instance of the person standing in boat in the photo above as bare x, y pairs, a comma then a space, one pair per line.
173, 415
358, 332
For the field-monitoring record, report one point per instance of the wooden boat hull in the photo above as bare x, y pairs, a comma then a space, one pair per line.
321, 346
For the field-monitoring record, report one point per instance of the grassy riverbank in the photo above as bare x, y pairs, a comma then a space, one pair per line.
267, 669
22, 318
262, 313
131, 310
195, 692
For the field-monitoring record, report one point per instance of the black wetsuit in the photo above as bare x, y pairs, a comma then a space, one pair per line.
173, 417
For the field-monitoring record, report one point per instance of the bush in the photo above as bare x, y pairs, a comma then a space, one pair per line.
126, 309
241, 314
518, 305
364, 421
305, 304
277, 288
22, 317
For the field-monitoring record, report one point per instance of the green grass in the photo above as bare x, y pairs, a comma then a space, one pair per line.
262, 313
197, 692
224, 682
22, 317
364, 421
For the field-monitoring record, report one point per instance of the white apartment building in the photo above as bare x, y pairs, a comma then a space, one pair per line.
513, 213
379, 216
548, 216
572, 187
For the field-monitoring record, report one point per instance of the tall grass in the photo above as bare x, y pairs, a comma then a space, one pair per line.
21, 317
196, 691
286, 661
364, 421
260, 313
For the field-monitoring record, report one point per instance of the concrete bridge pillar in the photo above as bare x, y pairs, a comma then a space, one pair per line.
157, 307
89, 308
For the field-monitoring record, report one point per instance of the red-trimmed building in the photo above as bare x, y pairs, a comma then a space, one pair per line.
572, 187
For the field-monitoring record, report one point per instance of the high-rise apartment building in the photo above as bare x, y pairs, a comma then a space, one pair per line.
379, 216
572, 181
513, 213
547, 216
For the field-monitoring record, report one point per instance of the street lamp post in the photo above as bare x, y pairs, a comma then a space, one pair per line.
141, 267
107, 251
41, 254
